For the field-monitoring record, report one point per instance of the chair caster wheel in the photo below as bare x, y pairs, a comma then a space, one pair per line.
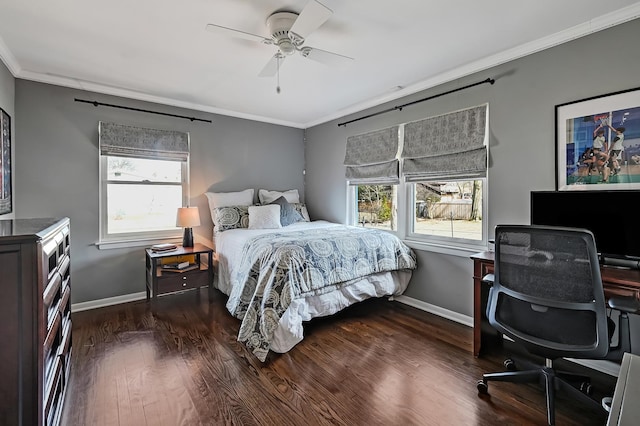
509, 364
586, 388
483, 388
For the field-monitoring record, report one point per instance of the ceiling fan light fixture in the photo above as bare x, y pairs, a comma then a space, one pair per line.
286, 47
288, 32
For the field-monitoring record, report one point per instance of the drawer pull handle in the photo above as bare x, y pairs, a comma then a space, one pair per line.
184, 284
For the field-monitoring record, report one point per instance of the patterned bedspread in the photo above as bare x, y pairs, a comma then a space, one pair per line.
279, 267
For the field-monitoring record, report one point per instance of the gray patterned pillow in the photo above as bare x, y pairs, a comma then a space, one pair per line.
230, 217
288, 213
302, 209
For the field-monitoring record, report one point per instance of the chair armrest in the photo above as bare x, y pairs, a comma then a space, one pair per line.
488, 279
625, 304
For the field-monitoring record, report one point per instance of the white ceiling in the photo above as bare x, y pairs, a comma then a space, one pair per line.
159, 50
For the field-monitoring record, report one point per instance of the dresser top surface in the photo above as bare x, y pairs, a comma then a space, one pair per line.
35, 228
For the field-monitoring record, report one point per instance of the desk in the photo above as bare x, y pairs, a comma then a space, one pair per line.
616, 282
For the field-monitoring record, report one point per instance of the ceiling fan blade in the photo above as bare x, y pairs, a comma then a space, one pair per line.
326, 57
271, 68
219, 29
312, 16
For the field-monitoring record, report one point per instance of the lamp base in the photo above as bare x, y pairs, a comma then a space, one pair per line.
187, 239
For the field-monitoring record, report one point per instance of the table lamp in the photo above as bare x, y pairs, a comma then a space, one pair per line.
187, 218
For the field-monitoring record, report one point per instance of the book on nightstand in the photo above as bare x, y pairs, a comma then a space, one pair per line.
172, 267
159, 248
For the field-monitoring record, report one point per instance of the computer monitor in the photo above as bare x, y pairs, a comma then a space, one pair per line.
612, 217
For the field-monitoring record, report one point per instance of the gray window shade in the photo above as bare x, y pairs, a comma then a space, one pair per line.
447, 146
129, 141
371, 157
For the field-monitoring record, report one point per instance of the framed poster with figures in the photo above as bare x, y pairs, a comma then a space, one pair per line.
5, 163
598, 142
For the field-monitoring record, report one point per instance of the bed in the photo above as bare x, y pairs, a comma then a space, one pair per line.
278, 277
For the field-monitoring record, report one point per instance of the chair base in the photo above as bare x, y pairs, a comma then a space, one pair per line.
552, 380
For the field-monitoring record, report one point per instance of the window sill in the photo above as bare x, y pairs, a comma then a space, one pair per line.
147, 242
457, 250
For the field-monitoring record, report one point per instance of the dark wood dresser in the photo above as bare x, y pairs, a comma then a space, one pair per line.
35, 320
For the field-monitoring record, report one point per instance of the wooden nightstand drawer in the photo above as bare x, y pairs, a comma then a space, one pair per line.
182, 281
163, 276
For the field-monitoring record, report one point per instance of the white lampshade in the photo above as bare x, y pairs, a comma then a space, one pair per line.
188, 217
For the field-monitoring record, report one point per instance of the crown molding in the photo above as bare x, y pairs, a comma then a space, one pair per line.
74, 83
8, 59
603, 22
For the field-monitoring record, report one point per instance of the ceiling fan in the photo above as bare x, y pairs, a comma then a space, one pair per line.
288, 31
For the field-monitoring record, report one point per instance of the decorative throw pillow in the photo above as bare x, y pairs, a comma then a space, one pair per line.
302, 209
264, 217
288, 213
267, 197
230, 217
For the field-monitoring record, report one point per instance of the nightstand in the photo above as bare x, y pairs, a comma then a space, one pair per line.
163, 278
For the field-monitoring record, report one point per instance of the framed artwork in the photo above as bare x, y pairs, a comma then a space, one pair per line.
598, 142
5, 163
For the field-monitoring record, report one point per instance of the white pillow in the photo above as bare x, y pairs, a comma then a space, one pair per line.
267, 197
264, 217
225, 199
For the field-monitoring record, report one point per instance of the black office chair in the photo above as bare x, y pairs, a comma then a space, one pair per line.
546, 294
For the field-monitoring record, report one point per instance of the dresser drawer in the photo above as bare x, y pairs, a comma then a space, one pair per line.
63, 270
50, 346
182, 281
53, 394
51, 298
65, 303
64, 351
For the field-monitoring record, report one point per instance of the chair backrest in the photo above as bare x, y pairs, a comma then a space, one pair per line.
547, 292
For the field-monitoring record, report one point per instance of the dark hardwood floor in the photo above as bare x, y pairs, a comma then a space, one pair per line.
377, 363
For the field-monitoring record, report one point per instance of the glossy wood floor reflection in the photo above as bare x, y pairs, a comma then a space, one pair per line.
377, 363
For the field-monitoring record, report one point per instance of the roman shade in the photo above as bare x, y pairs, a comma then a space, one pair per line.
447, 146
371, 157
129, 141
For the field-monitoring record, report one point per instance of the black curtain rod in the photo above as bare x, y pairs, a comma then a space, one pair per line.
399, 107
96, 103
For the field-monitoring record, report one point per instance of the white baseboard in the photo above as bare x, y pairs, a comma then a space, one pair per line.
109, 301
436, 310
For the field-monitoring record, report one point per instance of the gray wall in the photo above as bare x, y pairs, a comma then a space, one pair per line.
7, 101
57, 171
56, 157
522, 147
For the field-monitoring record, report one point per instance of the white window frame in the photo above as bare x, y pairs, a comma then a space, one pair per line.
132, 239
352, 204
439, 243
406, 217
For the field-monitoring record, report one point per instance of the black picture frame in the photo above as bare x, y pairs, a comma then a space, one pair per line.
6, 204
613, 161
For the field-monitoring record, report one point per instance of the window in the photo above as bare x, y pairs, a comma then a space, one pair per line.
447, 210
144, 180
142, 196
439, 196
372, 175
376, 206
